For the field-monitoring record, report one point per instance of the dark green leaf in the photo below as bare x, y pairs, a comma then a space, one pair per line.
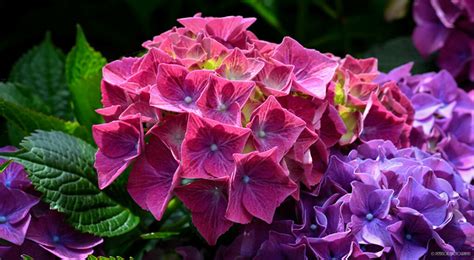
26, 257
267, 11
23, 96
61, 167
159, 235
4, 165
83, 74
91, 257
397, 52
23, 121
41, 71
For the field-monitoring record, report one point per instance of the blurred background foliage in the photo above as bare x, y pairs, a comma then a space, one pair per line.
117, 28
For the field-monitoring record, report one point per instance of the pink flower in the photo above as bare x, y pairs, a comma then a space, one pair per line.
223, 99
312, 70
258, 186
274, 126
177, 90
119, 143
238, 67
207, 201
275, 78
208, 148
171, 132
153, 178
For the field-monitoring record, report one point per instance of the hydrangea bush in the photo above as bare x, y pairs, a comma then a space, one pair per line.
273, 149
447, 27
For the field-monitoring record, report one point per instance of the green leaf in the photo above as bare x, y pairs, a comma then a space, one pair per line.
396, 52
41, 71
23, 96
83, 74
266, 9
91, 257
159, 235
22, 121
4, 165
61, 167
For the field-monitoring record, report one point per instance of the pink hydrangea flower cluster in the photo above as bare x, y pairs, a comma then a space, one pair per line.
233, 125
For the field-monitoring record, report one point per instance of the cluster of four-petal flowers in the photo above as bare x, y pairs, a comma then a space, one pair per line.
30, 227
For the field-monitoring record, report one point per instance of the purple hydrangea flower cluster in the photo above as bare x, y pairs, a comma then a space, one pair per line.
377, 202
444, 116
29, 227
447, 26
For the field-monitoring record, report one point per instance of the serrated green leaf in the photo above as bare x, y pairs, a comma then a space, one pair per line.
61, 167
23, 121
83, 74
159, 235
22, 95
41, 71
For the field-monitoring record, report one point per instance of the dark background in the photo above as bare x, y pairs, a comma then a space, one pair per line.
118, 27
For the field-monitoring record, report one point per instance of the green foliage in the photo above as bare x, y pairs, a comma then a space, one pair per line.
396, 52
159, 235
23, 120
23, 96
4, 165
41, 71
266, 9
91, 257
61, 167
83, 74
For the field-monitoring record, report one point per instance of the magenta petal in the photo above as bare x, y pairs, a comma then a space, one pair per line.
207, 201
153, 177
228, 28
379, 123
332, 128
177, 90
222, 99
274, 126
171, 131
312, 70
119, 143
275, 78
119, 71
259, 185
365, 69
238, 67
208, 147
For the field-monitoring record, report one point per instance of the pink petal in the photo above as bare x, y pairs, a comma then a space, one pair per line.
154, 177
